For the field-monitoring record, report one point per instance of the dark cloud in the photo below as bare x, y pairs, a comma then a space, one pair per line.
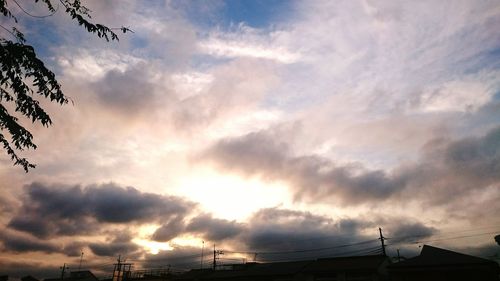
275, 229
253, 153
454, 173
69, 210
265, 155
272, 229
16, 242
476, 158
74, 249
269, 230
204, 225
16, 270
39, 226
214, 229
127, 91
120, 244
110, 203
181, 257
448, 169
297, 219
410, 231
169, 229
282, 234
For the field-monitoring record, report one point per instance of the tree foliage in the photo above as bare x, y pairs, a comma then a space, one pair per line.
24, 77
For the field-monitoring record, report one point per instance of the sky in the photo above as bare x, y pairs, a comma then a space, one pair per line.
260, 127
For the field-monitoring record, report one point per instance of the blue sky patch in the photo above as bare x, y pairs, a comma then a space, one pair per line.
259, 13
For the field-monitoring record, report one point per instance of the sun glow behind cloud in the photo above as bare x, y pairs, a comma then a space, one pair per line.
231, 196
144, 240
153, 247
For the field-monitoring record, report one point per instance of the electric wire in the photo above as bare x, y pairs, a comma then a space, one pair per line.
444, 233
402, 239
293, 255
35, 16
175, 260
302, 250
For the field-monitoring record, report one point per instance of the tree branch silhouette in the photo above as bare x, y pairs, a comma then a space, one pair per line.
24, 78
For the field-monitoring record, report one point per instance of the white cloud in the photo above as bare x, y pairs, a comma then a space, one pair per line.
407, 67
93, 65
234, 49
245, 41
191, 83
459, 96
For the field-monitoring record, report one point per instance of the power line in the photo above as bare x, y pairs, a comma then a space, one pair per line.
36, 16
303, 250
458, 237
365, 251
266, 254
291, 240
175, 260
444, 233
330, 254
167, 258
439, 239
300, 254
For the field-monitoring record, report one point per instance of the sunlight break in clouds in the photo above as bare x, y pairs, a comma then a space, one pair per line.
219, 193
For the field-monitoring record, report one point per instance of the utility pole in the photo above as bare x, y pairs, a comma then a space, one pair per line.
216, 256
121, 270
202, 247
117, 269
63, 270
399, 257
382, 240
80, 265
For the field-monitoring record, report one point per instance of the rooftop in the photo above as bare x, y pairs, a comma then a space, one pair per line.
433, 256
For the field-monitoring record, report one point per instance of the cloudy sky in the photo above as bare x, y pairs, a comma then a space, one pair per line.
259, 126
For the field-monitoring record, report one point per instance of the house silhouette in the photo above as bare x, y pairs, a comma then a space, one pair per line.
435, 264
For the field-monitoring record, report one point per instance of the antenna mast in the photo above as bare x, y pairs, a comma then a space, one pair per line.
202, 248
80, 265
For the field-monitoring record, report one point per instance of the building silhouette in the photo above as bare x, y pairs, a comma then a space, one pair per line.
435, 264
